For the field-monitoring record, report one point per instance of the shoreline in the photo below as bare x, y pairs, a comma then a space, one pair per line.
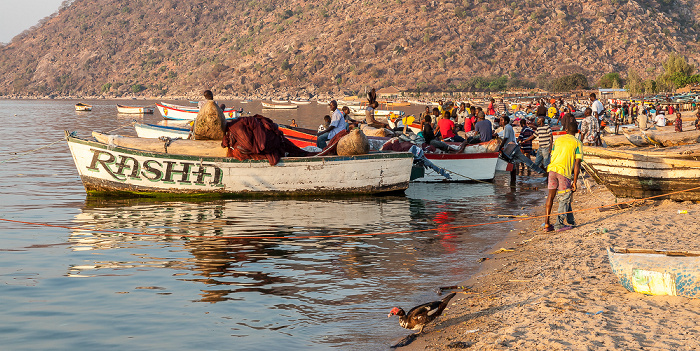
557, 291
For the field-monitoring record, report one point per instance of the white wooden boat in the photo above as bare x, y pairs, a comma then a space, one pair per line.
462, 167
188, 113
111, 167
277, 106
134, 110
301, 102
83, 107
657, 272
279, 101
640, 174
157, 131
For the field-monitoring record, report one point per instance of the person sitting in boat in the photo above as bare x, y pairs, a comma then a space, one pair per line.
337, 125
462, 115
642, 120
326, 123
208, 96
348, 120
483, 128
429, 135
369, 116
525, 138
447, 130
563, 169
294, 123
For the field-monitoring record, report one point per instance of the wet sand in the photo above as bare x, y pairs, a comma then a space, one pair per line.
556, 291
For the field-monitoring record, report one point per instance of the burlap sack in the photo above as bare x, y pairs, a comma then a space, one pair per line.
378, 132
355, 143
210, 123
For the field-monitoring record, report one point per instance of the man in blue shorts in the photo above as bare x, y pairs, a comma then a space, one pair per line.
563, 169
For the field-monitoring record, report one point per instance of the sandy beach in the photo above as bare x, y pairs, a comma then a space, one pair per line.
556, 291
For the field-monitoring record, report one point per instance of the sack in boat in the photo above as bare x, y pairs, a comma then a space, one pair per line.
355, 143
210, 123
378, 132
492, 145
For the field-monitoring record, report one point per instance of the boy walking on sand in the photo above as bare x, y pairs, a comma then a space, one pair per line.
563, 170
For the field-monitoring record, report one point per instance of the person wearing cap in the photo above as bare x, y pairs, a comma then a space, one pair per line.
336, 126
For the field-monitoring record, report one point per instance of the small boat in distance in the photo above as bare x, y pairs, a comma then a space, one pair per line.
301, 102
83, 107
134, 110
188, 113
278, 106
657, 272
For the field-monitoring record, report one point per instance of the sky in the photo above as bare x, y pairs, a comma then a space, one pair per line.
18, 15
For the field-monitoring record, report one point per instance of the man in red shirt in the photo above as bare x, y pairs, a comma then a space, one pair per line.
446, 128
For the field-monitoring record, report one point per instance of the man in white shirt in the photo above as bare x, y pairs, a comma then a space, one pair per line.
596, 106
337, 125
660, 119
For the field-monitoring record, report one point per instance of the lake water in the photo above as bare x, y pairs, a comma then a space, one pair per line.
215, 275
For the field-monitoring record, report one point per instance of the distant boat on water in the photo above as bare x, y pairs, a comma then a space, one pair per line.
134, 110
278, 106
188, 113
83, 107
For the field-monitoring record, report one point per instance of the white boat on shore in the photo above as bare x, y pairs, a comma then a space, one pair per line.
134, 110
111, 167
188, 113
278, 106
301, 102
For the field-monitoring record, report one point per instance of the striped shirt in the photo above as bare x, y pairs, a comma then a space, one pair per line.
502, 109
544, 134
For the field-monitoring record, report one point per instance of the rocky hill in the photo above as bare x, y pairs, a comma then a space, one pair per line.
298, 47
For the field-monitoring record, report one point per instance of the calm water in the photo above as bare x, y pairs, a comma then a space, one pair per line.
183, 279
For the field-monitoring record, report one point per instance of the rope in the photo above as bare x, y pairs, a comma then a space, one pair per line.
441, 228
58, 141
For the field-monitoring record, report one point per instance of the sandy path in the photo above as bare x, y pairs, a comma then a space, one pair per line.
557, 291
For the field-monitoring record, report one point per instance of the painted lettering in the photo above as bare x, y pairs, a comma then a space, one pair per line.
185, 172
148, 168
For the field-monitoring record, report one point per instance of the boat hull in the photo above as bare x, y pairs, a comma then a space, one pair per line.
462, 167
176, 112
279, 107
108, 169
134, 110
657, 272
635, 175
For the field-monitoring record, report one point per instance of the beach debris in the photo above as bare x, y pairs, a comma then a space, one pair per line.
682, 211
471, 331
482, 259
594, 314
502, 250
519, 280
460, 344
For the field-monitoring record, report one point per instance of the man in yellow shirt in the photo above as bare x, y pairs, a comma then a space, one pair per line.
563, 169
552, 112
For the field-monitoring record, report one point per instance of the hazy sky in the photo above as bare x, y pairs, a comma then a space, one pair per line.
18, 15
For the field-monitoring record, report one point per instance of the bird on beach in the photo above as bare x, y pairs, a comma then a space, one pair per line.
419, 316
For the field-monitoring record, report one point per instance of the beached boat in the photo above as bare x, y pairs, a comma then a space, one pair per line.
301, 102
656, 272
83, 107
188, 113
278, 106
640, 173
138, 166
476, 162
134, 110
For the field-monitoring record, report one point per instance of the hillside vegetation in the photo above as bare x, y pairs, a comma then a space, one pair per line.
176, 47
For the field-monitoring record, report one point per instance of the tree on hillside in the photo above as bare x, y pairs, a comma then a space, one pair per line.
677, 73
610, 80
571, 82
635, 83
